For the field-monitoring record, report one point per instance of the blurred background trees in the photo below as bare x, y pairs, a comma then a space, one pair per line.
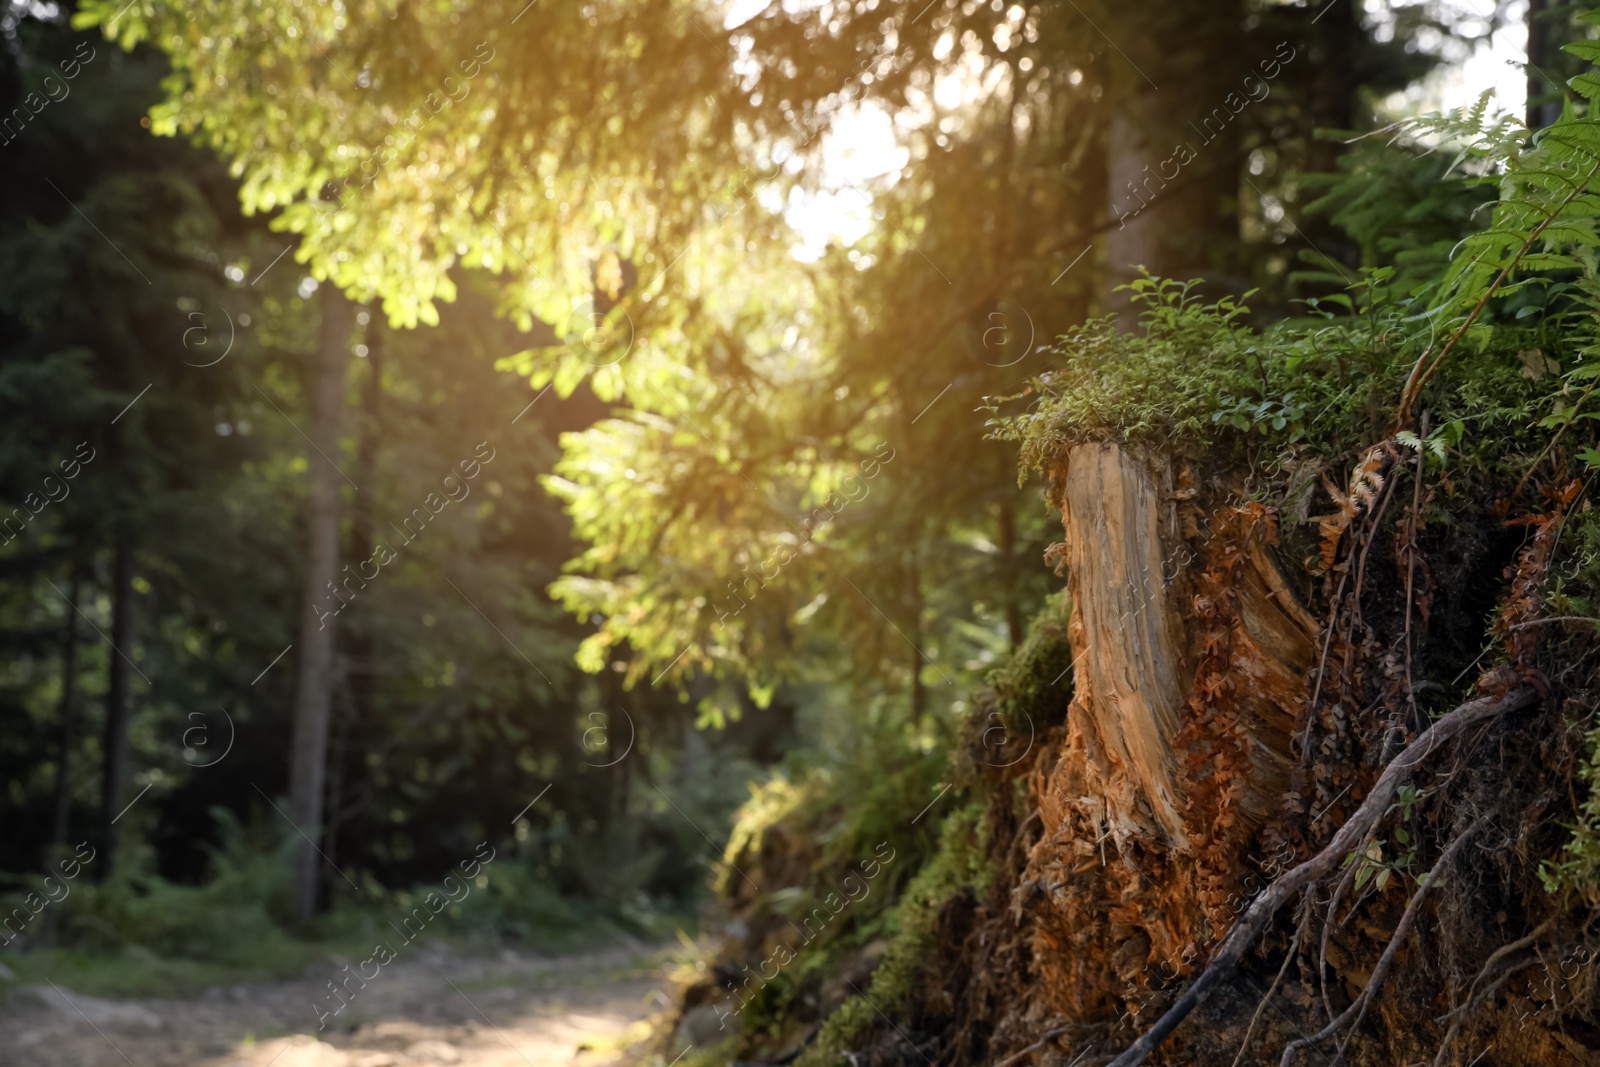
151, 602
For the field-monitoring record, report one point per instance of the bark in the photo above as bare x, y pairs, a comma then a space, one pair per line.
68, 712
1126, 633
360, 671
1175, 210
114, 778
1544, 99
919, 692
1149, 800
1136, 242
1331, 58
315, 680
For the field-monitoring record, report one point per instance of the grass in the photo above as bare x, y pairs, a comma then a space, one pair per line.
137, 972
139, 935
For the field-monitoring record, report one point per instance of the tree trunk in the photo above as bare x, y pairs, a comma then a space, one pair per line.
1136, 241
114, 780
314, 684
1544, 99
919, 692
1138, 551
358, 659
68, 713
1172, 172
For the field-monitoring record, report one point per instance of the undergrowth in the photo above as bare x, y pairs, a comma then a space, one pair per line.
140, 934
1198, 380
959, 862
1438, 414
1577, 870
800, 833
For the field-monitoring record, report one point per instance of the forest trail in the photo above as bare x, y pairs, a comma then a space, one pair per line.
514, 1010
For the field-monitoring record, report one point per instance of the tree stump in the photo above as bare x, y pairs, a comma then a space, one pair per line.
1179, 615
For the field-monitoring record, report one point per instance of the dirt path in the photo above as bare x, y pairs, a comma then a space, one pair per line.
512, 1011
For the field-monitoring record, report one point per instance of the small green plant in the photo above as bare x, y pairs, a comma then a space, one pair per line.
1378, 863
1274, 414
1576, 872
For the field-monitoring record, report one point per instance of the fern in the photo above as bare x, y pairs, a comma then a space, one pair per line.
1543, 222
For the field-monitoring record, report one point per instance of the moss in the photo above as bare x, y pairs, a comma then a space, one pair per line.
1198, 380
844, 808
1034, 684
958, 863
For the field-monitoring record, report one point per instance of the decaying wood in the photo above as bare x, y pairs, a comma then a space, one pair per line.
1163, 580
1133, 579
1254, 921
1127, 644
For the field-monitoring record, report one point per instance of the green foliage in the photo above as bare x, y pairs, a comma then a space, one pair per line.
880, 790
1031, 690
1404, 204
409, 147
1166, 383
958, 863
798, 838
1193, 369
1197, 377
141, 934
457, 702
1577, 872
868, 793
1574, 585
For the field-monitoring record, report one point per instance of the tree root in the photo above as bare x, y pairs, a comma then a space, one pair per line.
1306, 910
1474, 997
1242, 937
1358, 1008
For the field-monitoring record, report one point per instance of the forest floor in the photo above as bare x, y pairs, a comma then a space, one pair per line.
513, 1010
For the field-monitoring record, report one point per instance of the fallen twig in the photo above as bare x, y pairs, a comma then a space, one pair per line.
1552, 618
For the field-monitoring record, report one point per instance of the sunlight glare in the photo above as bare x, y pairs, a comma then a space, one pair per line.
860, 149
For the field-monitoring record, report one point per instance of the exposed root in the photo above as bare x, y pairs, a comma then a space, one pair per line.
1491, 966
1306, 910
1358, 1008
1251, 925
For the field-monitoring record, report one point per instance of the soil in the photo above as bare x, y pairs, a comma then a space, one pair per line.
514, 1010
